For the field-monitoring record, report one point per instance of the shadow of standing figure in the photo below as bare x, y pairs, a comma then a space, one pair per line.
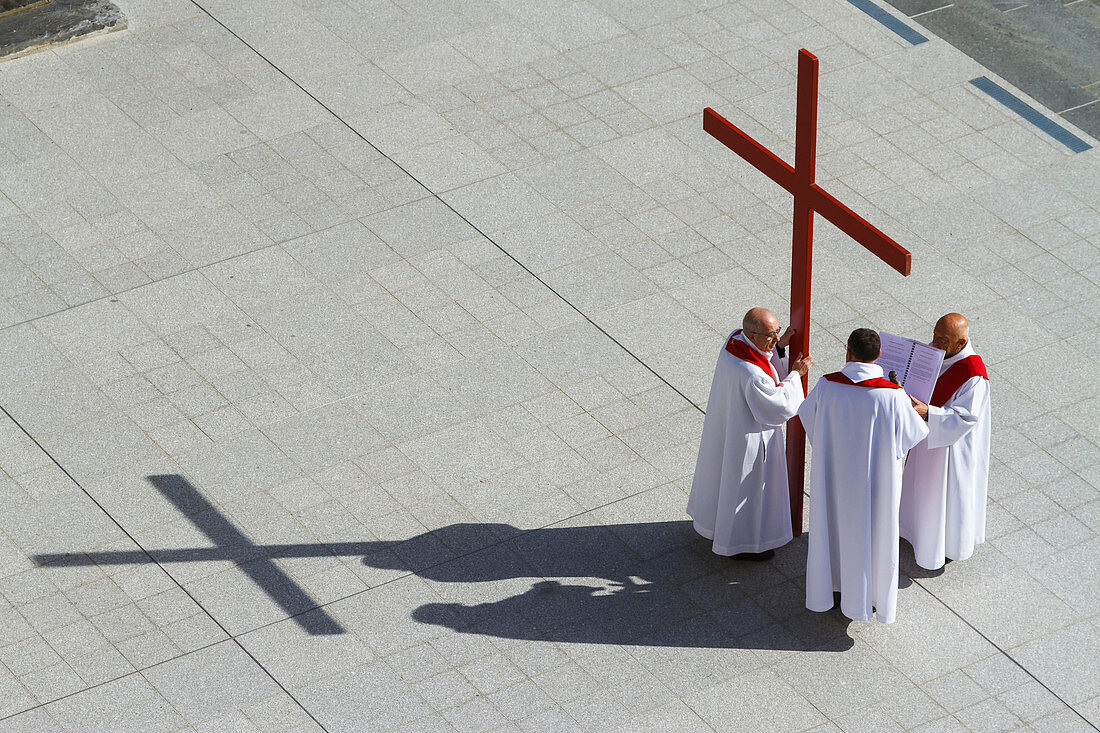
647, 583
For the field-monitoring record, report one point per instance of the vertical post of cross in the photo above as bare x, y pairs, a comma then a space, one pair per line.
805, 153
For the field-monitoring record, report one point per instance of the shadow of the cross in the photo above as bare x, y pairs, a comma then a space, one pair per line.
646, 583
230, 543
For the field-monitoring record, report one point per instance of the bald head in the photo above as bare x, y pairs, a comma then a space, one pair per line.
761, 327
951, 333
759, 320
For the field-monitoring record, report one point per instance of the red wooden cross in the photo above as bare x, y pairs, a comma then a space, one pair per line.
808, 198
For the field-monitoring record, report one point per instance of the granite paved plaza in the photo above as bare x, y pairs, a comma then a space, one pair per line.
353, 357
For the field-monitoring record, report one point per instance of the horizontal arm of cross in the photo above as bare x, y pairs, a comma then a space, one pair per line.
859, 229
739, 141
235, 553
818, 199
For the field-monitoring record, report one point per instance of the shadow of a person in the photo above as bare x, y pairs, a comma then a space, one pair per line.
652, 584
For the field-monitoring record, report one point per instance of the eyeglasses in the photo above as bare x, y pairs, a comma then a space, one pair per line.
769, 334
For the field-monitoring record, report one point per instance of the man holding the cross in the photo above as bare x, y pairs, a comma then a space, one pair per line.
739, 496
860, 426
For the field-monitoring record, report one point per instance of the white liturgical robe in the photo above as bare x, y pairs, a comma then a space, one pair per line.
946, 479
739, 496
860, 436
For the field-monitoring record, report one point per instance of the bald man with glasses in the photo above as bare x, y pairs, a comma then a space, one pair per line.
739, 497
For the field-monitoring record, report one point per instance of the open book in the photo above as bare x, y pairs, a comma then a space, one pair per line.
917, 365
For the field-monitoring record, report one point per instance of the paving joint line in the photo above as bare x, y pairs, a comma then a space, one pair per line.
1086, 104
997, 646
443, 201
933, 10
199, 268
162, 568
116, 679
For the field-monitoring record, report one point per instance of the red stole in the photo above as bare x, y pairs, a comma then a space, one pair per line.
955, 376
743, 351
840, 378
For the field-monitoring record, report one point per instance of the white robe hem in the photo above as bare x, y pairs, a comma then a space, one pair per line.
908, 535
728, 550
876, 616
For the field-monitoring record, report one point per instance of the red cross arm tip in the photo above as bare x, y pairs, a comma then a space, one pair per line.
861, 230
753, 152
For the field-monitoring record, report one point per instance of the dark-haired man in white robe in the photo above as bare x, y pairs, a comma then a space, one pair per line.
860, 426
943, 493
739, 498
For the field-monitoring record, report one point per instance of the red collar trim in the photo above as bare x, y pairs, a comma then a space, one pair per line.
840, 378
956, 376
743, 351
